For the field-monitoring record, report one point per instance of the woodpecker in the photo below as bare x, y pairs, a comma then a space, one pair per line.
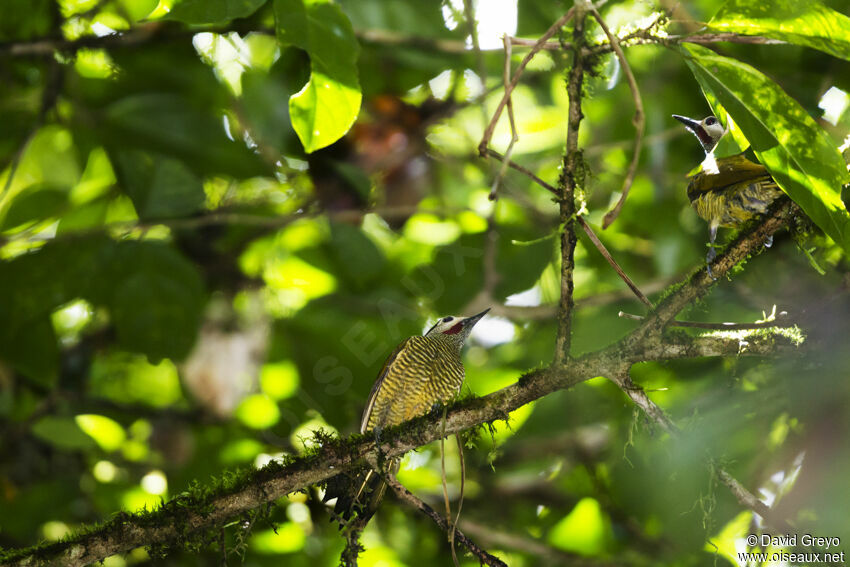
421, 372
728, 191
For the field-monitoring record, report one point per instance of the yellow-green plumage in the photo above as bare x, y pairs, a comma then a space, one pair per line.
728, 191
733, 193
420, 372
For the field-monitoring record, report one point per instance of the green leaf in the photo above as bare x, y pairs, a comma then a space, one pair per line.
62, 432
159, 186
106, 432
170, 124
32, 351
324, 110
212, 11
798, 153
801, 22
151, 316
155, 297
349, 243
35, 204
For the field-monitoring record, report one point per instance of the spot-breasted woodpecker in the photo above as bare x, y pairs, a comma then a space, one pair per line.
727, 191
421, 372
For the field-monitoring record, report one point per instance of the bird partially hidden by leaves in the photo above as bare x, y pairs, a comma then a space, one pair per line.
727, 191
421, 372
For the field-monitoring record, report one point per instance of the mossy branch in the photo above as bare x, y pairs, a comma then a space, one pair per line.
208, 508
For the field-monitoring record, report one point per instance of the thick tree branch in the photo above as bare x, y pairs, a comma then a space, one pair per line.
698, 284
204, 512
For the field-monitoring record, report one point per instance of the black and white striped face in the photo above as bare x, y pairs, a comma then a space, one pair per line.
454, 327
708, 131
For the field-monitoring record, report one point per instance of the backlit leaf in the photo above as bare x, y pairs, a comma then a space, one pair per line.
324, 110
797, 152
801, 22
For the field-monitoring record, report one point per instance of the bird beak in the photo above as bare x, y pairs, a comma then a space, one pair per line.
689, 123
471, 321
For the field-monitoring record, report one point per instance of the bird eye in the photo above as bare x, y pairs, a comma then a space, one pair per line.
711, 121
447, 319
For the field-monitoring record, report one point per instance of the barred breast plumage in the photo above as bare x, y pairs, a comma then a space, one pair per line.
419, 373
733, 193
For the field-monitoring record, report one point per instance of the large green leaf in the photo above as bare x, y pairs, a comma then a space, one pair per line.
801, 22
159, 186
35, 204
797, 152
212, 11
349, 243
154, 295
324, 110
173, 125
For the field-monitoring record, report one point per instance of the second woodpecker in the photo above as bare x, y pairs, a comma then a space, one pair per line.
727, 191
421, 372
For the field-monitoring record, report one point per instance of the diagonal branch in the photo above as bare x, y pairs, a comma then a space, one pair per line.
742, 495
553, 29
409, 498
748, 242
208, 509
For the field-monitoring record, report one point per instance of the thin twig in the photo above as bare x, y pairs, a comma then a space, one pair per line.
462, 491
527, 545
604, 251
488, 132
584, 225
651, 409
717, 326
409, 498
639, 119
506, 78
450, 533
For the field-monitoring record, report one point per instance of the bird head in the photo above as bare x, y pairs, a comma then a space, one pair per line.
708, 131
455, 328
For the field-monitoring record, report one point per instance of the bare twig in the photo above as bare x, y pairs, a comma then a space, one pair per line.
551, 555
409, 498
488, 132
651, 409
717, 326
604, 251
584, 225
506, 77
639, 119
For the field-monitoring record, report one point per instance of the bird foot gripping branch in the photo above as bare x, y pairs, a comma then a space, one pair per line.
727, 191
421, 372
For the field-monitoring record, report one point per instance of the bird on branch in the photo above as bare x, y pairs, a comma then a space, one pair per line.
421, 372
727, 191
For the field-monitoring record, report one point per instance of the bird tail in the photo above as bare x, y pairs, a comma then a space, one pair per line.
359, 494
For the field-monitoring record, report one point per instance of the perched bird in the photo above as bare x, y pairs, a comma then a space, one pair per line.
727, 191
421, 372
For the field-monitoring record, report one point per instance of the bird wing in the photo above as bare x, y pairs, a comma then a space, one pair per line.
730, 171
367, 413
